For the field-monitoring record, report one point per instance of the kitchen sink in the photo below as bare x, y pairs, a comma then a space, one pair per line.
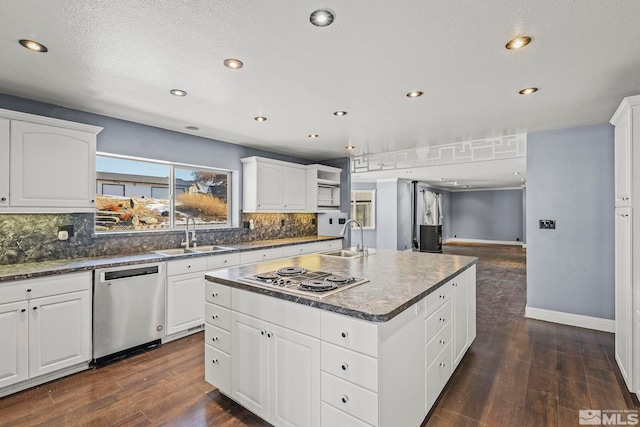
197, 249
210, 248
169, 252
342, 253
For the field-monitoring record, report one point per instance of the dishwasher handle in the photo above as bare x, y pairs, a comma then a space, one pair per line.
132, 272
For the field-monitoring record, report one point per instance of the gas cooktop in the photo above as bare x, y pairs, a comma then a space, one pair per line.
299, 280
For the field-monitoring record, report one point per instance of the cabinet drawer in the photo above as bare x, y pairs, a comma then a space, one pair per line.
260, 255
217, 369
349, 332
327, 246
437, 344
217, 293
437, 298
44, 286
191, 265
217, 316
350, 366
223, 261
332, 417
217, 337
437, 320
350, 398
437, 375
296, 250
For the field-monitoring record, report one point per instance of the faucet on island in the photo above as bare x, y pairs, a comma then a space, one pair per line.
361, 247
186, 242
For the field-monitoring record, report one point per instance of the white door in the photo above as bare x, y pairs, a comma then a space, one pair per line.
14, 343
622, 150
52, 166
624, 294
250, 363
471, 295
460, 316
59, 332
294, 191
184, 302
4, 162
294, 378
269, 187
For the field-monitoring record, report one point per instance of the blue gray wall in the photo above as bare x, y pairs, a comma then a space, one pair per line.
387, 215
487, 215
570, 179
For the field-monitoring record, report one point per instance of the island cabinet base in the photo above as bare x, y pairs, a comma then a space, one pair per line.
298, 366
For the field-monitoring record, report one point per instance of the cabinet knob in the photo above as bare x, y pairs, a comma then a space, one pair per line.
214, 339
344, 366
442, 342
344, 398
442, 364
225, 261
188, 266
214, 295
262, 332
214, 361
344, 334
442, 319
35, 308
93, 201
269, 334
4, 199
215, 316
23, 310
441, 296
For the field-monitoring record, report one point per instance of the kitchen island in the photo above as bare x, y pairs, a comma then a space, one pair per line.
376, 354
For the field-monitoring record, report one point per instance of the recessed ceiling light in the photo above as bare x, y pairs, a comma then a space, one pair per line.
440, 179
455, 183
350, 147
516, 173
414, 94
178, 92
192, 127
340, 113
313, 135
528, 90
260, 119
234, 64
321, 18
518, 42
33, 46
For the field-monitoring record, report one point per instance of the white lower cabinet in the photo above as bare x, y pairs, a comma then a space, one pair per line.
275, 372
460, 303
217, 338
45, 326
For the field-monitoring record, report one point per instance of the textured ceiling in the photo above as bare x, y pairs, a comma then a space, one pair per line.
121, 57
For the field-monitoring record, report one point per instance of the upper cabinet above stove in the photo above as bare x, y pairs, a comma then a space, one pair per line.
276, 186
46, 165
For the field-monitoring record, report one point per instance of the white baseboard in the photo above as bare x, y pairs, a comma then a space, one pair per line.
489, 242
588, 322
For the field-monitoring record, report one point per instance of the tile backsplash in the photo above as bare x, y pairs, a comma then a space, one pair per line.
34, 237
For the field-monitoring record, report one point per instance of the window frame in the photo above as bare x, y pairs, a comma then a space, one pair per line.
172, 194
353, 201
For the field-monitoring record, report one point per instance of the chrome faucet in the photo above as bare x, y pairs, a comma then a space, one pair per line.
361, 247
186, 242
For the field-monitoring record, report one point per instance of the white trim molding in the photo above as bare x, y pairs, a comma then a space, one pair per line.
571, 319
488, 242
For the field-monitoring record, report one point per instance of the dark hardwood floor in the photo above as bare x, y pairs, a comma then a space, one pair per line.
518, 372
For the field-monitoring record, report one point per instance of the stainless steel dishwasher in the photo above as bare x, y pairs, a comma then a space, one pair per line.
128, 309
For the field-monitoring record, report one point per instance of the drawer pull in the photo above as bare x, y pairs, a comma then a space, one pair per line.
225, 261
262, 332
442, 319
344, 334
214, 361
344, 398
214, 294
442, 342
269, 334
344, 366
214, 339
4, 199
215, 316
442, 364
35, 308
23, 310
28, 290
441, 296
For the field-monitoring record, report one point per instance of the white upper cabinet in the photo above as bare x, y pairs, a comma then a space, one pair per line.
627, 122
273, 186
47, 165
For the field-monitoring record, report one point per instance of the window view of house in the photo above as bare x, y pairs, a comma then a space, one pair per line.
363, 207
137, 195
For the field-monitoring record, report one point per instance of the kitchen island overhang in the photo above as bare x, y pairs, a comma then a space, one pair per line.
375, 354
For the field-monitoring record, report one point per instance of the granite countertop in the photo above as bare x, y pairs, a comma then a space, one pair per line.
38, 269
397, 280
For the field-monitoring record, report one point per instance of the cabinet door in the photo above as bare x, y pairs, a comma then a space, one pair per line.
622, 149
460, 316
4, 162
269, 187
294, 378
250, 363
52, 166
184, 302
294, 189
624, 294
59, 332
14, 345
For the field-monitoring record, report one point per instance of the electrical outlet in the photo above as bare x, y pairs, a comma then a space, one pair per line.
282, 223
67, 228
342, 220
313, 221
547, 224
245, 224
330, 221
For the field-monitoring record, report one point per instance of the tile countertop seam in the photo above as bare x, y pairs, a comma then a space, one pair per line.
15, 272
398, 280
